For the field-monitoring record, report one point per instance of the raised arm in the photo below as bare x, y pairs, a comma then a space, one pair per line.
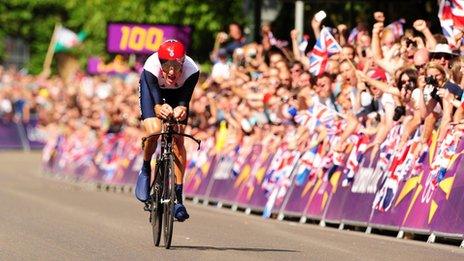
383, 86
316, 26
296, 51
375, 44
341, 31
421, 26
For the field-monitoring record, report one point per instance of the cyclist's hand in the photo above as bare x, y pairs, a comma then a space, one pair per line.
180, 113
164, 111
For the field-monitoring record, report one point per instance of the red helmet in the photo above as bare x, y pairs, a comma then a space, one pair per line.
171, 50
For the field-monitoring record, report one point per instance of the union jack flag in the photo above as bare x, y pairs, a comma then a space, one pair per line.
325, 45
397, 28
353, 35
451, 15
355, 157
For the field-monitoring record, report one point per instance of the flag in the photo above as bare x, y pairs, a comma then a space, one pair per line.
355, 158
303, 44
325, 45
277, 181
67, 39
353, 35
397, 28
451, 15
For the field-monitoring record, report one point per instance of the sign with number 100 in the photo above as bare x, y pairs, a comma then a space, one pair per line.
143, 38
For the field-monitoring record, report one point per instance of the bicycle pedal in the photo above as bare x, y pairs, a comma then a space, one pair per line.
147, 207
164, 201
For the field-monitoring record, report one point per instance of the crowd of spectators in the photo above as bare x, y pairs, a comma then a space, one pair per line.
258, 91
379, 79
91, 105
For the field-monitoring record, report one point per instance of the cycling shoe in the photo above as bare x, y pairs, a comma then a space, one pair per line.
143, 185
180, 213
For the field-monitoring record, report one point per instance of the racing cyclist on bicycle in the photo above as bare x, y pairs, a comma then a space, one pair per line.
167, 75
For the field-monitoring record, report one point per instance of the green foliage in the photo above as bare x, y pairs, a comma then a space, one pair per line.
34, 21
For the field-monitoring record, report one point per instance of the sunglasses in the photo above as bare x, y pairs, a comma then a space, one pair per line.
405, 81
419, 67
438, 56
166, 65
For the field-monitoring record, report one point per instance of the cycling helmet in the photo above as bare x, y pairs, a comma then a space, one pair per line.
171, 50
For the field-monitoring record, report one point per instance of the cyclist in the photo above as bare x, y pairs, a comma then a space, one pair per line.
168, 75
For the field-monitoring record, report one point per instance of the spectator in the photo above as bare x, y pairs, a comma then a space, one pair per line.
442, 55
221, 69
235, 39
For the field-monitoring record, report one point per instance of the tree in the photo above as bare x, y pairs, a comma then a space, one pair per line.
34, 21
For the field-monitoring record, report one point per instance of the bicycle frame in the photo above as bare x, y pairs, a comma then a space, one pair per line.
165, 178
166, 140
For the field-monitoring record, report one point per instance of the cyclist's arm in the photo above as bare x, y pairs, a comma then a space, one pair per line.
185, 93
148, 84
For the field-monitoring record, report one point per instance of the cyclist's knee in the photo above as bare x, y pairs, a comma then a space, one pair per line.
151, 125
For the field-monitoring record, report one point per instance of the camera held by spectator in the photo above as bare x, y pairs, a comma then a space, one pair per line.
431, 80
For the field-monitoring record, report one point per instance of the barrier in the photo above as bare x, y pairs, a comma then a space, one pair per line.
114, 160
410, 188
24, 136
9, 136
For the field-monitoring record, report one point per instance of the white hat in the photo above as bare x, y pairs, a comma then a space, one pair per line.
442, 49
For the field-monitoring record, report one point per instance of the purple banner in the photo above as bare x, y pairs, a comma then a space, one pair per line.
12, 135
414, 187
343, 200
200, 169
449, 217
310, 193
278, 179
93, 65
9, 136
393, 196
440, 171
35, 136
250, 189
231, 170
360, 191
143, 38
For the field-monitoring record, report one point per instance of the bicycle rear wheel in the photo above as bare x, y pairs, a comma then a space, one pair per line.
156, 213
169, 194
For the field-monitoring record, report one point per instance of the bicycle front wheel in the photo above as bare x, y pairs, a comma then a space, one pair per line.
169, 197
156, 208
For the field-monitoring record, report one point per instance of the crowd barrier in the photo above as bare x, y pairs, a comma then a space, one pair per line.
115, 159
22, 135
410, 188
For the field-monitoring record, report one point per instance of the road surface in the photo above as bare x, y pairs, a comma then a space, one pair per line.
42, 218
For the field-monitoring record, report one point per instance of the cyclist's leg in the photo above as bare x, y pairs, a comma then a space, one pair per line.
150, 125
180, 156
180, 153
179, 162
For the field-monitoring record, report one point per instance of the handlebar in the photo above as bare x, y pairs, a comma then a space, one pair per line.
171, 121
172, 133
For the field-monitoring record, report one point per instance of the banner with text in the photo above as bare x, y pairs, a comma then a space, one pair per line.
130, 38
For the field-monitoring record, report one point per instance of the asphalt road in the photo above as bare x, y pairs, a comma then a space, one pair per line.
42, 218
